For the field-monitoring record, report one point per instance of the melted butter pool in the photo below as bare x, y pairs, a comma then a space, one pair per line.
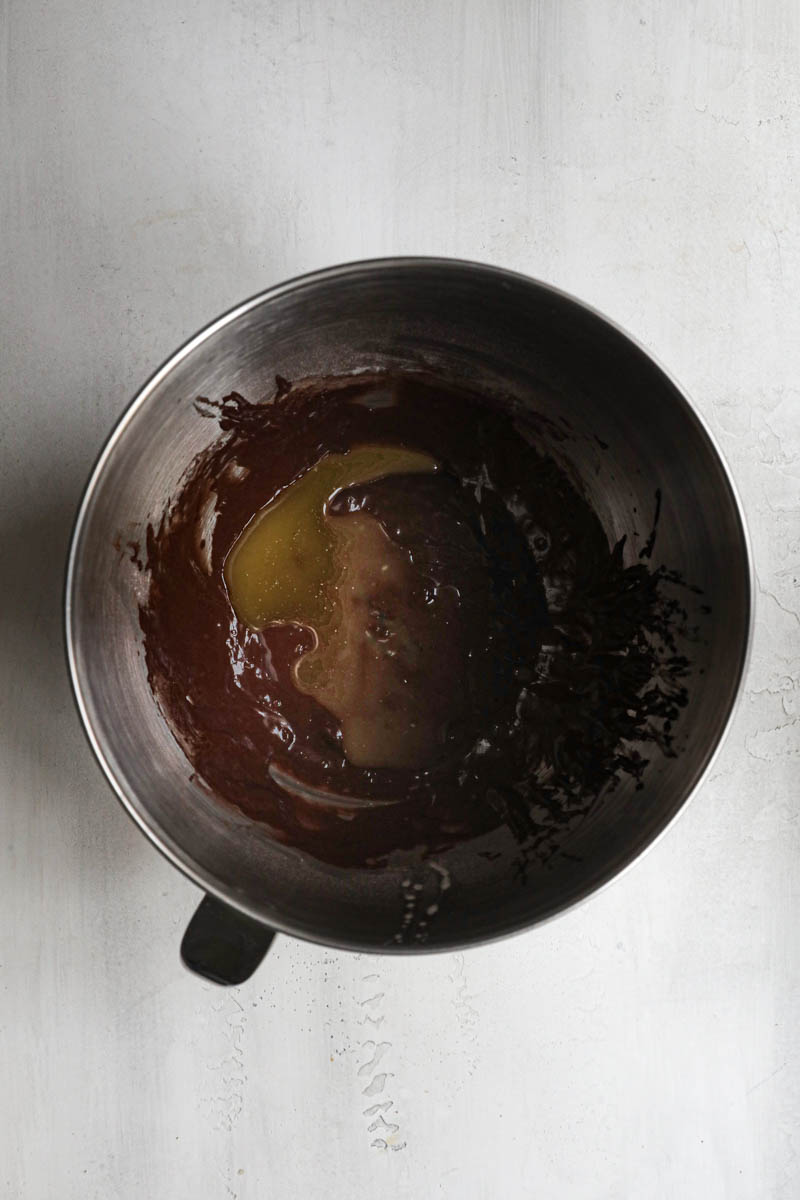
282, 567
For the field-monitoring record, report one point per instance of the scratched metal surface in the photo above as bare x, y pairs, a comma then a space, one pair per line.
160, 162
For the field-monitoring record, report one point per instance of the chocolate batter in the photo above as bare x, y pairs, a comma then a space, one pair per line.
485, 658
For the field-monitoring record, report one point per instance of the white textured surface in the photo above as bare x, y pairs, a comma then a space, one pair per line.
162, 161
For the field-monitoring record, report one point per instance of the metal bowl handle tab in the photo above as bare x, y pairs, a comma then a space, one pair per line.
224, 945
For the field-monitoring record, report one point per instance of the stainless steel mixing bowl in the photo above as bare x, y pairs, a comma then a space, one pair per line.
489, 327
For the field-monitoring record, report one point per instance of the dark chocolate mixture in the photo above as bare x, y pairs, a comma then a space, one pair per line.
537, 664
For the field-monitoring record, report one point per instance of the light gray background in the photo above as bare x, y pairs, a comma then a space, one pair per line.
161, 161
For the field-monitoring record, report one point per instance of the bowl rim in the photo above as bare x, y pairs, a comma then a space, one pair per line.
172, 851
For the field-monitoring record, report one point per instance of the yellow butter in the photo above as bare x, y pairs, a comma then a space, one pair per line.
282, 566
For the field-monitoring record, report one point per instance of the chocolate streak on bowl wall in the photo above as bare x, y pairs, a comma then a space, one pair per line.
574, 675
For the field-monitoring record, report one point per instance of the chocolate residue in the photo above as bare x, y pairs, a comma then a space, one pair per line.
647, 549
554, 671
